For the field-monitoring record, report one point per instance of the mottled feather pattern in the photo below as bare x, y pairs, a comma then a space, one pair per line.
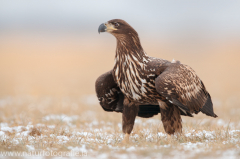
180, 83
108, 92
131, 75
171, 119
149, 85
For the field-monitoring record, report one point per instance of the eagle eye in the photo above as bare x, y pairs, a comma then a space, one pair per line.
116, 24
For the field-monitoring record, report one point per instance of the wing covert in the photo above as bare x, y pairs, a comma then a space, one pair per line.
108, 93
180, 85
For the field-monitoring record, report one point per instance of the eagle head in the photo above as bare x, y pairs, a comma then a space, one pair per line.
116, 27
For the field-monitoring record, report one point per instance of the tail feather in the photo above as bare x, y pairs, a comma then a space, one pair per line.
208, 108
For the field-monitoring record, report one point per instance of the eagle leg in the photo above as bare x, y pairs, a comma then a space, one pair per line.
130, 111
171, 118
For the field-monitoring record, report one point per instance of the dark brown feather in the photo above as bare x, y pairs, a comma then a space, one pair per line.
130, 111
145, 82
171, 119
180, 85
108, 93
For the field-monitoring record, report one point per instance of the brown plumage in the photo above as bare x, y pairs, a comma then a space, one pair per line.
140, 85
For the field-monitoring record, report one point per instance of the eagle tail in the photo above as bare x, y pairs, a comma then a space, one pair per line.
208, 108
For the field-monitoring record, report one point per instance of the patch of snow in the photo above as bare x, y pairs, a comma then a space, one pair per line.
51, 126
62, 139
85, 134
206, 134
40, 125
160, 134
18, 128
188, 134
231, 132
135, 136
149, 138
103, 156
230, 154
166, 146
93, 123
3, 136
78, 149
15, 141
3, 125
191, 146
2, 133
7, 129
30, 147
28, 127
132, 148
52, 135
110, 141
61, 117
25, 133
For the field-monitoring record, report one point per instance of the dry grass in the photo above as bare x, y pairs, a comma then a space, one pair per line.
60, 111
62, 126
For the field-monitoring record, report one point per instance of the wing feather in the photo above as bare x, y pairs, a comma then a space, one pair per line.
181, 86
108, 93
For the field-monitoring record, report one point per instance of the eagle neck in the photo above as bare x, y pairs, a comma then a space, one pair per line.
130, 67
129, 48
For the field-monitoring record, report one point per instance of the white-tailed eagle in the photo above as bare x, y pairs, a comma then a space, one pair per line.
140, 85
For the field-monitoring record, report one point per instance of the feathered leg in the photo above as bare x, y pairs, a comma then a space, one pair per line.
130, 111
171, 119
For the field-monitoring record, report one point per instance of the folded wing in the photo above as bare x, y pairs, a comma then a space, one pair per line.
108, 93
181, 86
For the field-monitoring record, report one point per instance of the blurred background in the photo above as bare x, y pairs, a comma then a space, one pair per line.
52, 48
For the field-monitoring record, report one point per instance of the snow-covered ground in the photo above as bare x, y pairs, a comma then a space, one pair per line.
97, 139
91, 133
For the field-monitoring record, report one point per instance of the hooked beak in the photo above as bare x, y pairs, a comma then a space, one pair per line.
102, 28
